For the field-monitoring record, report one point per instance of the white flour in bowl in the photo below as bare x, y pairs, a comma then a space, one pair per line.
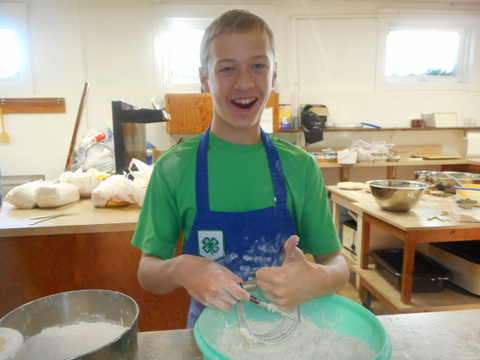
64, 342
307, 342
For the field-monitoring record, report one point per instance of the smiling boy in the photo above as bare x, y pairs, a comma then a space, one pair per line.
242, 200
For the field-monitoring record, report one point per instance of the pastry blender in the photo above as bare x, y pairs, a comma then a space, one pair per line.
285, 327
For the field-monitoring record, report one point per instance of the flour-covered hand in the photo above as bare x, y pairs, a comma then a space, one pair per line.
211, 284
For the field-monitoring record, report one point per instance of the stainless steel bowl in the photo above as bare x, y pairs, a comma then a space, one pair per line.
442, 182
397, 195
82, 305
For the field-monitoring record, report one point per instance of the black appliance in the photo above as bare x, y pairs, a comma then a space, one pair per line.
129, 132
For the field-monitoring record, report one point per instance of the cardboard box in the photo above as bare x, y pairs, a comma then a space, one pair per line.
440, 120
347, 157
349, 235
320, 110
462, 258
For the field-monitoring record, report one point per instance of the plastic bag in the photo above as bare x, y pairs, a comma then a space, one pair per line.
23, 196
137, 180
85, 182
86, 158
370, 152
112, 192
99, 156
312, 124
56, 194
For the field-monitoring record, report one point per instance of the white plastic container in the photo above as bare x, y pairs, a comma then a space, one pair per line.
440, 120
347, 157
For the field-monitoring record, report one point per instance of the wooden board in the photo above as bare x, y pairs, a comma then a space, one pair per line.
32, 105
436, 156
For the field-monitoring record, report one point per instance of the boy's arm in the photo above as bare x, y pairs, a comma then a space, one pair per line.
299, 280
211, 284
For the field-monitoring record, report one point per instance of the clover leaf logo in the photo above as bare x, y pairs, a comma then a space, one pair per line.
210, 245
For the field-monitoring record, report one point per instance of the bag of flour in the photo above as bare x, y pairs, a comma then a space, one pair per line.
56, 194
23, 196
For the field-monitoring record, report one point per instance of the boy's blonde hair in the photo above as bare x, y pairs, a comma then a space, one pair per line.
232, 21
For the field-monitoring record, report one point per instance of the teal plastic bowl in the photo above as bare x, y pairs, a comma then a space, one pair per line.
331, 312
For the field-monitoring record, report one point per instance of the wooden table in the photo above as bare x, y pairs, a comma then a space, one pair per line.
412, 227
89, 249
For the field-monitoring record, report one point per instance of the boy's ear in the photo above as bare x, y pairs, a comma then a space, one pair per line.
204, 81
274, 77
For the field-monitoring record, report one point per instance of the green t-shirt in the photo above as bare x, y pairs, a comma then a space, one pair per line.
239, 180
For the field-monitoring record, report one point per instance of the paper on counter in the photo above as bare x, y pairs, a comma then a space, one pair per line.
473, 143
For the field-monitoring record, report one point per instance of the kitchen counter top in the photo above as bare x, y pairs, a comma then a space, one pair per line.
84, 218
426, 336
419, 217
89, 249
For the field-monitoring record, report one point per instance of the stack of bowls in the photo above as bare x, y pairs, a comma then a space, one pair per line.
442, 181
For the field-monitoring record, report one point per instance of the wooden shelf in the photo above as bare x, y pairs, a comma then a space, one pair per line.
421, 302
359, 129
400, 129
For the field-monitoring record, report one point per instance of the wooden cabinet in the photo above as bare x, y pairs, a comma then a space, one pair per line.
193, 113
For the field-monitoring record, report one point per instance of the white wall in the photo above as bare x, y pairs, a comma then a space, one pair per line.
110, 44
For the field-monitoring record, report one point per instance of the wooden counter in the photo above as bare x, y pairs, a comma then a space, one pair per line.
425, 336
89, 249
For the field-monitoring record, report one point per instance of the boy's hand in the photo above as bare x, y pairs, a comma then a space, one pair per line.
211, 284
287, 286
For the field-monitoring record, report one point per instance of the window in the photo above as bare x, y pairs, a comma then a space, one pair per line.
10, 60
15, 73
177, 42
423, 51
183, 47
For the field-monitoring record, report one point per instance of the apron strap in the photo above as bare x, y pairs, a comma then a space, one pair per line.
278, 178
201, 183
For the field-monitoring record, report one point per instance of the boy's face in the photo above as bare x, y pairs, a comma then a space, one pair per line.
241, 71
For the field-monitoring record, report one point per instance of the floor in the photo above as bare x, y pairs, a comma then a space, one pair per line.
350, 292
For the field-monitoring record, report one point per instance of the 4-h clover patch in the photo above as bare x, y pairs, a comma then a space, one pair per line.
211, 244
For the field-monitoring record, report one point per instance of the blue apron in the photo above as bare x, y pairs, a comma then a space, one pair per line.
241, 241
